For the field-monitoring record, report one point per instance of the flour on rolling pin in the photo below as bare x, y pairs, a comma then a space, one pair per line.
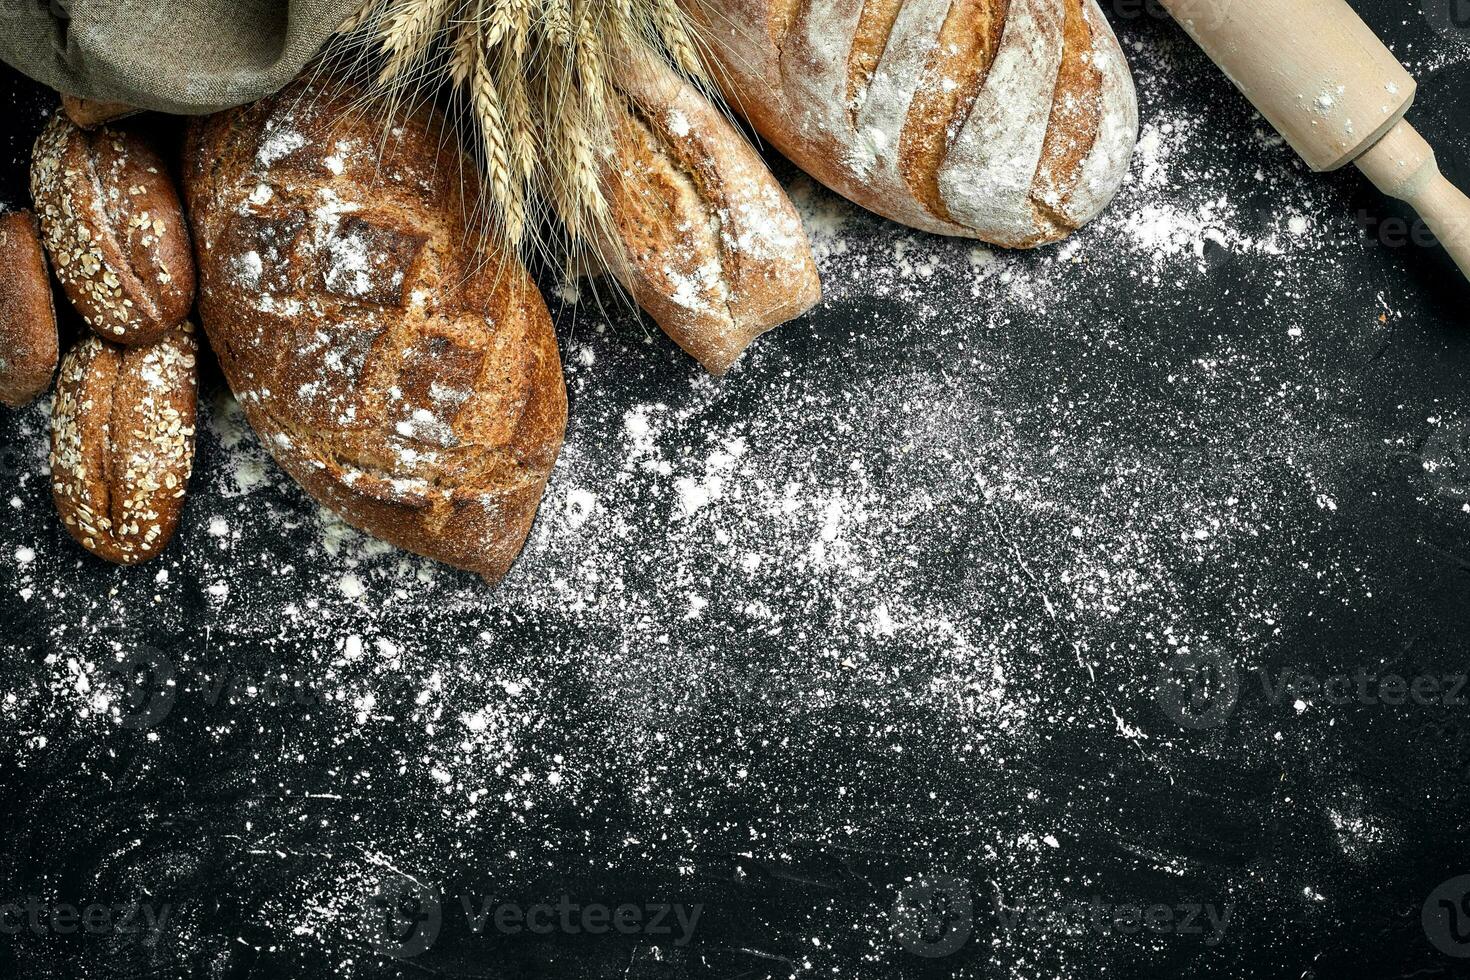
1321, 76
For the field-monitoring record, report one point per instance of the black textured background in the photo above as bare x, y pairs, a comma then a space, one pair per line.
792, 774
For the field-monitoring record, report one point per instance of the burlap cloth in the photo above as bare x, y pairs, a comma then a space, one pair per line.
187, 56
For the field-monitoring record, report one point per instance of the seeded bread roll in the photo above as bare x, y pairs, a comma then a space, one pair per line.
407, 380
1010, 121
114, 229
28, 345
122, 442
709, 244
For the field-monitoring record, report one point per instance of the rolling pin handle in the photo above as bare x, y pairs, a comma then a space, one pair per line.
1402, 165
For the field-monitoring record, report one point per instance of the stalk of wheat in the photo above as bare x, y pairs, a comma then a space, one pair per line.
534, 82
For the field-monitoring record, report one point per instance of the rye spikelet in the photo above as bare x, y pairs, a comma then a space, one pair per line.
533, 82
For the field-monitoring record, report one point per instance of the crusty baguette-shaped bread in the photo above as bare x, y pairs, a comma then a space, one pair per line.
709, 244
114, 229
1011, 121
404, 374
122, 442
28, 345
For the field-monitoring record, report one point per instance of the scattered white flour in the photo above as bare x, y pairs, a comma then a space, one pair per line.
918, 546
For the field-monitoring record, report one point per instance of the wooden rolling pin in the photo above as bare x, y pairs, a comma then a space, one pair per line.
1338, 96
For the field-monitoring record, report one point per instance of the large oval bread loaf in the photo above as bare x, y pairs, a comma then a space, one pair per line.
1012, 121
404, 376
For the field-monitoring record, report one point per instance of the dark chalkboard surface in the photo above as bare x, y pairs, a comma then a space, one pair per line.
1093, 612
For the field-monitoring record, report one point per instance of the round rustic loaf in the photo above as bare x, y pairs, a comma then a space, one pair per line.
122, 442
28, 344
404, 374
114, 228
1011, 121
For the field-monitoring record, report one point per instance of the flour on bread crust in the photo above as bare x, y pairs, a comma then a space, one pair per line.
1036, 142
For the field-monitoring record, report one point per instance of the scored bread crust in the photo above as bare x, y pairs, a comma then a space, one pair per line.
122, 442
114, 229
1011, 121
708, 242
28, 344
404, 374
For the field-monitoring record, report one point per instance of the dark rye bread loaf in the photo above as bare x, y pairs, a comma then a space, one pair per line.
28, 344
114, 229
407, 378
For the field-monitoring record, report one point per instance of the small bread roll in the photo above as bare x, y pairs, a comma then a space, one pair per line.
114, 229
122, 442
88, 113
27, 315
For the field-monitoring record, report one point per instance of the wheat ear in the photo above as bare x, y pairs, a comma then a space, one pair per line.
409, 33
675, 33
506, 190
535, 80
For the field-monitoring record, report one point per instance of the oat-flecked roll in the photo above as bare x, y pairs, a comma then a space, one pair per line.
122, 442
114, 229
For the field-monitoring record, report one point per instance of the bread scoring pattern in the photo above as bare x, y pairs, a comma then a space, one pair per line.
402, 371
1012, 121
